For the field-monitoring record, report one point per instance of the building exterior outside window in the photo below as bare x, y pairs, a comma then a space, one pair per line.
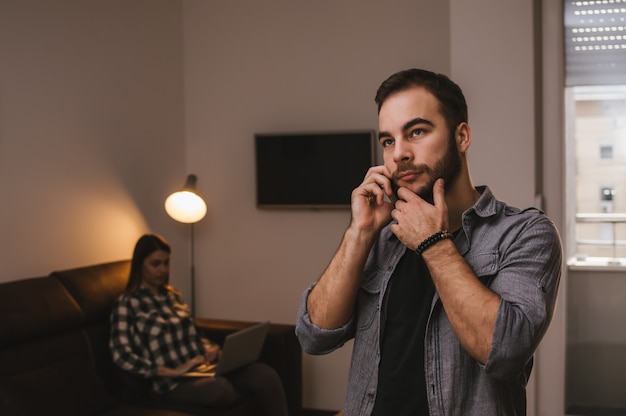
596, 137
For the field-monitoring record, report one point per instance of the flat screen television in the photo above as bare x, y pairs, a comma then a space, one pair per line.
311, 170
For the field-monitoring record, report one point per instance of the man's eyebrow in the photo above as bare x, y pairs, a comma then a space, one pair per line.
415, 122
407, 126
382, 134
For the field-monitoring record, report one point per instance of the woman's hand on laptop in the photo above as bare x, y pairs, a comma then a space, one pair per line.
213, 354
211, 351
181, 369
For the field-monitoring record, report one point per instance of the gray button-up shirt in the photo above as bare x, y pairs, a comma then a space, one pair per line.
517, 254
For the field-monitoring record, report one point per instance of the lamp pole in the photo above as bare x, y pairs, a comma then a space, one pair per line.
193, 273
187, 206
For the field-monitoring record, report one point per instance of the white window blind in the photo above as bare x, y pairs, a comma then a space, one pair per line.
595, 42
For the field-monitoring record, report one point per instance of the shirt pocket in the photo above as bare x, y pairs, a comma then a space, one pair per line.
368, 300
485, 265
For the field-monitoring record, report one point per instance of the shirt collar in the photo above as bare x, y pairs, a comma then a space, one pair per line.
145, 291
486, 205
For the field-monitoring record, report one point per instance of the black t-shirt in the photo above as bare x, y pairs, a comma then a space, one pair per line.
401, 377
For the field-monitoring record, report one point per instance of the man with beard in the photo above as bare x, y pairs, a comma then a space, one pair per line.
445, 290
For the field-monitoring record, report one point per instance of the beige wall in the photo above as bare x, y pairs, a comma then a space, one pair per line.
106, 105
91, 130
494, 63
549, 374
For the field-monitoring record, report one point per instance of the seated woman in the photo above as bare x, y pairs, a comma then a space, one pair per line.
153, 335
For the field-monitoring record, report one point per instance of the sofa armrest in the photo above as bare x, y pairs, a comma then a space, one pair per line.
281, 350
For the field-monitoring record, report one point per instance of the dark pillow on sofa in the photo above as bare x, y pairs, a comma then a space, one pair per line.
54, 376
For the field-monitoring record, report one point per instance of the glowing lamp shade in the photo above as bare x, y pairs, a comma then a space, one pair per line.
186, 206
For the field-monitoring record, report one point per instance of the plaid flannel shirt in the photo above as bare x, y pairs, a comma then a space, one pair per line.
150, 330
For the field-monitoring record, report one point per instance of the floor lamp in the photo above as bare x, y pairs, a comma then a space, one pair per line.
188, 207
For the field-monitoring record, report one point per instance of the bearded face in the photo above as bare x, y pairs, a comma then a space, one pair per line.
447, 167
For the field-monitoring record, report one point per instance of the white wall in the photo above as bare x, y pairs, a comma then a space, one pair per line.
91, 130
492, 60
550, 358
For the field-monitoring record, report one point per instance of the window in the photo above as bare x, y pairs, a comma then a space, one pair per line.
595, 44
607, 194
606, 151
597, 183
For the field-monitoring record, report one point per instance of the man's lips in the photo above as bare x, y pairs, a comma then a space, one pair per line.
408, 176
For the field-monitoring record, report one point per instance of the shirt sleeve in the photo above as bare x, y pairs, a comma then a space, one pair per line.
123, 351
527, 282
316, 340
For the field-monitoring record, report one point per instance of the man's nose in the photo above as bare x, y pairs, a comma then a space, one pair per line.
401, 151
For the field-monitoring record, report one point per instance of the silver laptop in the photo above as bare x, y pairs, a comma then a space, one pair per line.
240, 348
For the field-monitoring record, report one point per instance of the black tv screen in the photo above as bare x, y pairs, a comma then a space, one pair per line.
311, 170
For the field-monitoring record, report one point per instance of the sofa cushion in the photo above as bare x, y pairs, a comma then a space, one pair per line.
51, 376
33, 308
95, 287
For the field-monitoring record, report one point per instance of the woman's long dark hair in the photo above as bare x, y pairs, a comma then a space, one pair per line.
146, 245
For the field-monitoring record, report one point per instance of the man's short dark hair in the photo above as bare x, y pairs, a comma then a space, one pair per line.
452, 103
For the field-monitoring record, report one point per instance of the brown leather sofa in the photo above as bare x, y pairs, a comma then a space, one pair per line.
54, 356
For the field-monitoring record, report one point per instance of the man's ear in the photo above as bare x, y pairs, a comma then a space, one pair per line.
463, 136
